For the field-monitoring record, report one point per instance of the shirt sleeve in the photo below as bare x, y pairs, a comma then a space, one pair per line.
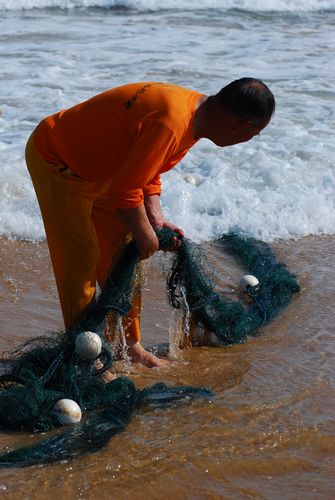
153, 187
139, 175
173, 161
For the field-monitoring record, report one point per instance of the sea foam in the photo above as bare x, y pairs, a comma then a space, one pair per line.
156, 5
279, 185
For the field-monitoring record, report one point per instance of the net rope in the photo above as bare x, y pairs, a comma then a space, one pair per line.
46, 369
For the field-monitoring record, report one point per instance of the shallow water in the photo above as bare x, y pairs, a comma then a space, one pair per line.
267, 433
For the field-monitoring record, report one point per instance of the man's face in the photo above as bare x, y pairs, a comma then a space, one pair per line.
234, 131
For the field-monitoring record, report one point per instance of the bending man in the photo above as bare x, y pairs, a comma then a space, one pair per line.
96, 171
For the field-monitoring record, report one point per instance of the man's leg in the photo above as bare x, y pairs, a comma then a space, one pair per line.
112, 236
70, 233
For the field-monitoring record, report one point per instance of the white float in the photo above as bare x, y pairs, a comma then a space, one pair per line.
248, 281
66, 411
88, 345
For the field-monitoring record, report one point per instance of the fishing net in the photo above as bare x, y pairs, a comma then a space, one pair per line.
46, 369
191, 288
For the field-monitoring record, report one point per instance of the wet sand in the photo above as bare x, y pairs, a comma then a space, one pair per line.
269, 431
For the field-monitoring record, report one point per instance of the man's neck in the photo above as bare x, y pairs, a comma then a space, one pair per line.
199, 117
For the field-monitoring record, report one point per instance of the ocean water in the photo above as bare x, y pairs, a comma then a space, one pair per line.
269, 431
280, 185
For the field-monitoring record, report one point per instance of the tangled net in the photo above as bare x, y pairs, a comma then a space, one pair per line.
228, 319
47, 369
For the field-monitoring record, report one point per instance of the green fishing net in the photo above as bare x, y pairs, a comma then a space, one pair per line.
47, 369
229, 320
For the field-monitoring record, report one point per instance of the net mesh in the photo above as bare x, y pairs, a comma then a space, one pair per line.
46, 369
228, 319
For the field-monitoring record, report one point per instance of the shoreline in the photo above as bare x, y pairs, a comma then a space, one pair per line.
29, 303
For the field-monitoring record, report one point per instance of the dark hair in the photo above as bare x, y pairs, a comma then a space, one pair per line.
247, 97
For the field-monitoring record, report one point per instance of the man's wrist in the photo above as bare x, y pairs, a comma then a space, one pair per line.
153, 210
136, 220
157, 223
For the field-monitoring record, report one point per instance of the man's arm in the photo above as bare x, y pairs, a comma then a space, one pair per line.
137, 221
156, 218
153, 209
141, 221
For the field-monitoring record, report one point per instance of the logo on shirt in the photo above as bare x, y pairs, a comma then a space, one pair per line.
128, 104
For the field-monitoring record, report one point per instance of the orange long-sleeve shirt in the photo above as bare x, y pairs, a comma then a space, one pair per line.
129, 135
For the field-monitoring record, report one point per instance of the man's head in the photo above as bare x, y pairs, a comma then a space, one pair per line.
237, 113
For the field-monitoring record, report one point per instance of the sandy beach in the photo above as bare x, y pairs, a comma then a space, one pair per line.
269, 427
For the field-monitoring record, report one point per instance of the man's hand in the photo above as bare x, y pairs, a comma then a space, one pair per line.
138, 223
175, 243
156, 218
142, 221
147, 244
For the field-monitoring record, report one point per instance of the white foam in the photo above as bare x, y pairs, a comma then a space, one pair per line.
279, 185
251, 191
19, 212
256, 5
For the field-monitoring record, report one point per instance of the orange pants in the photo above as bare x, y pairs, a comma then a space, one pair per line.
84, 233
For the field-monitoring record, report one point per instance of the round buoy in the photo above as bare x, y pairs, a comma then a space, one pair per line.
248, 281
88, 345
66, 411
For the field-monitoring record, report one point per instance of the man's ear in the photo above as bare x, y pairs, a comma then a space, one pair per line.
244, 125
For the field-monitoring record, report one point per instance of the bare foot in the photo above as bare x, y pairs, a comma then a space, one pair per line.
138, 354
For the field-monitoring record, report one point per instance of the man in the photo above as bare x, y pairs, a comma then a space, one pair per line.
96, 171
